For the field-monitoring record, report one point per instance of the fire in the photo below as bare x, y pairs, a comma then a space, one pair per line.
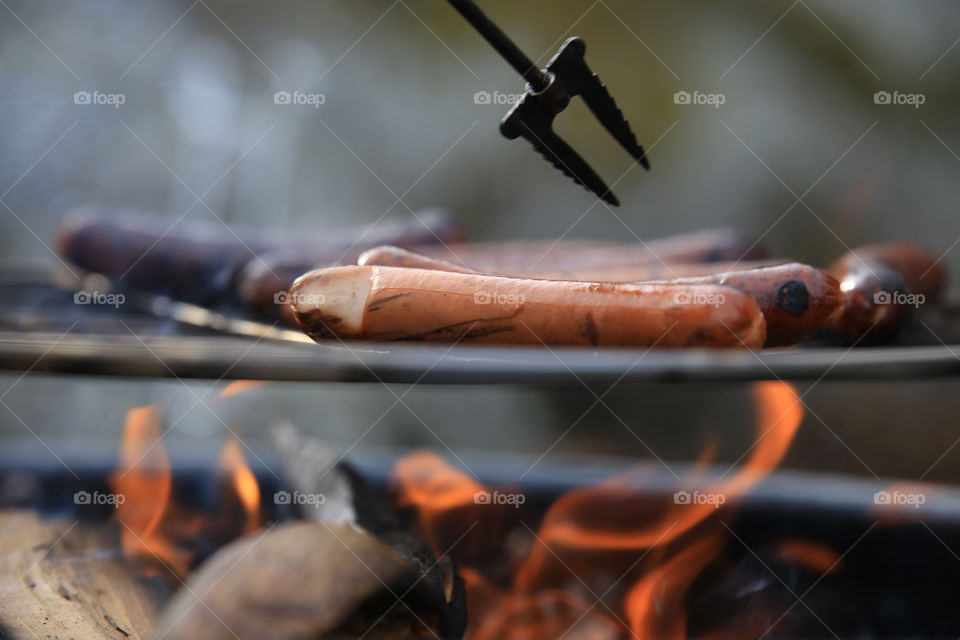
607, 559
242, 482
154, 531
144, 480
654, 605
812, 556
238, 387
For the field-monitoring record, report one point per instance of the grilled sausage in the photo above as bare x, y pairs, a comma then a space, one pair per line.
870, 315
389, 303
390, 256
202, 263
797, 300
526, 258
922, 273
883, 284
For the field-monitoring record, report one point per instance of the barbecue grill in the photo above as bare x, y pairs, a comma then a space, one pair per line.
170, 339
777, 532
178, 460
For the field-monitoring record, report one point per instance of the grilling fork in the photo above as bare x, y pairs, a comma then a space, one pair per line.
548, 92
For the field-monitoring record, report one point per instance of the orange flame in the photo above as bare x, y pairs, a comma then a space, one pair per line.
812, 556
144, 481
234, 468
779, 413
594, 531
238, 387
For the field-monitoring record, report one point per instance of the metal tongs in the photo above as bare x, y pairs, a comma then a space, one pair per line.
549, 92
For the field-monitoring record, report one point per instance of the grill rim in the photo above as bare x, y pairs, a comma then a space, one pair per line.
232, 358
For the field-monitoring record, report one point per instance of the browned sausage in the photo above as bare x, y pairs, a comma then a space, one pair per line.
391, 303
389, 256
541, 257
870, 315
796, 299
922, 273
202, 263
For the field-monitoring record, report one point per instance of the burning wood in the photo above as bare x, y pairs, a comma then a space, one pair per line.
331, 577
309, 580
66, 580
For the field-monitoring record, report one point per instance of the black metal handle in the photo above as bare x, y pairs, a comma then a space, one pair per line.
502, 43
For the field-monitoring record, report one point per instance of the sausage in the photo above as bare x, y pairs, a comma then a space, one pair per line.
391, 303
868, 318
883, 284
389, 256
264, 278
922, 273
797, 300
524, 258
203, 263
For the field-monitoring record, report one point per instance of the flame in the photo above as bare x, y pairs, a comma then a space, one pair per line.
812, 556
234, 468
656, 547
154, 530
654, 605
145, 483
238, 387
436, 492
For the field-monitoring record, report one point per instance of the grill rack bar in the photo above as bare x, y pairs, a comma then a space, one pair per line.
231, 358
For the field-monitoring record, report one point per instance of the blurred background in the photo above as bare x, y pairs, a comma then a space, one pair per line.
835, 127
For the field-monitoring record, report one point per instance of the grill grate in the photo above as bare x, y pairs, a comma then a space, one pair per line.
42, 329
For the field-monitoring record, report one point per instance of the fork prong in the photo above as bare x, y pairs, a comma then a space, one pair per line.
570, 68
563, 157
